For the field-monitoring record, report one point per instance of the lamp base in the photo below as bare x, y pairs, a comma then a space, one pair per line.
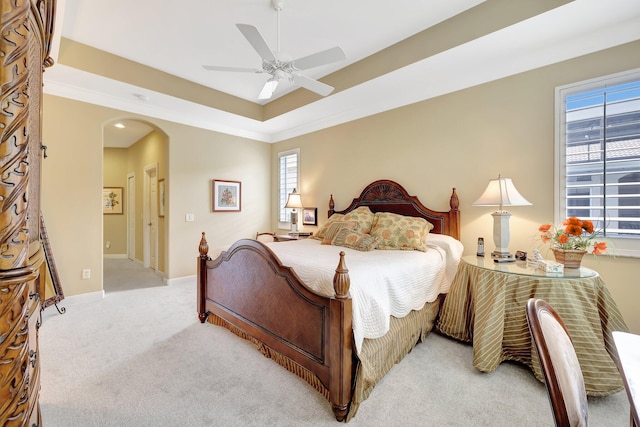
501, 235
502, 255
294, 222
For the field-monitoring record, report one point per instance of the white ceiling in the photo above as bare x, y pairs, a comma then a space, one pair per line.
179, 37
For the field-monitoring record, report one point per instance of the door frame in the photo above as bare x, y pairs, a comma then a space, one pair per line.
150, 216
131, 216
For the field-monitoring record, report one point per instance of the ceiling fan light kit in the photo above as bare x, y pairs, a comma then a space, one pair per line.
268, 89
280, 69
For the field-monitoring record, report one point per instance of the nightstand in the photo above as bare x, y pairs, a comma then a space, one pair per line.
486, 306
291, 236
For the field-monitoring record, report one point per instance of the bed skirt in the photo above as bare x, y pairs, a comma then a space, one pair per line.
374, 361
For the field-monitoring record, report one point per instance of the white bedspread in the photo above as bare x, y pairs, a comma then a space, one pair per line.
383, 282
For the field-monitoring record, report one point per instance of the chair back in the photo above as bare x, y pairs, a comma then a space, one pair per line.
559, 363
265, 237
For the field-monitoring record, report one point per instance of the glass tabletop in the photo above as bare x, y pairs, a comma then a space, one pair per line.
520, 268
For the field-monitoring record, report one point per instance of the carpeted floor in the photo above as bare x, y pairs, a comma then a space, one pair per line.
124, 274
139, 357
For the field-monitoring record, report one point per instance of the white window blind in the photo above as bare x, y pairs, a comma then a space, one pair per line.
600, 157
288, 171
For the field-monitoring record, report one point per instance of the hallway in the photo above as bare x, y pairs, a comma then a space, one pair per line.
123, 275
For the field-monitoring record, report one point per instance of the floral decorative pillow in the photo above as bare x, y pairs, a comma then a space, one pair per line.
355, 240
401, 232
363, 216
322, 231
335, 227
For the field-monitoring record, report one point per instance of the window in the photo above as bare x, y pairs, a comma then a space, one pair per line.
288, 173
598, 147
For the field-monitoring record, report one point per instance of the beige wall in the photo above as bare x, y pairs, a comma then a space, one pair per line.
72, 181
463, 140
115, 225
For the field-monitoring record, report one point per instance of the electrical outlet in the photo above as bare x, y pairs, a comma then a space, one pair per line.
189, 217
86, 274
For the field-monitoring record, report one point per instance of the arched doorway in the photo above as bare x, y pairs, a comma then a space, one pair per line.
135, 157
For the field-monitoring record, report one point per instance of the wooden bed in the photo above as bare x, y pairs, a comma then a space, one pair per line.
248, 290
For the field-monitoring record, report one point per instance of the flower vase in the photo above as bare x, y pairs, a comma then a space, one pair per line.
571, 258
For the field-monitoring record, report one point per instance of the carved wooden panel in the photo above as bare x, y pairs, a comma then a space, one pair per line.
27, 27
20, 372
24, 47
14, 139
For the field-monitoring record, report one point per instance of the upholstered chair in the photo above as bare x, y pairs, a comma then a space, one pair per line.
559, 363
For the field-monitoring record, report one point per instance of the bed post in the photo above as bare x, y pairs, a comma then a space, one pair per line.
340, 387
332, 206
203, 248
454, 215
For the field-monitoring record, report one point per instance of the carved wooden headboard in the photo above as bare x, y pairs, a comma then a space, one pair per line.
389, 196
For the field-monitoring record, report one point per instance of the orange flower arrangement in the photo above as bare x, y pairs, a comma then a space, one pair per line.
577, 234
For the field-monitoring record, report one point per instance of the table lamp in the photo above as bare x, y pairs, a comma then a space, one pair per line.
294, 201
501, 192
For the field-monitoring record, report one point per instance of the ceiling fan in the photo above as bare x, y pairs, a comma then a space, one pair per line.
274, 64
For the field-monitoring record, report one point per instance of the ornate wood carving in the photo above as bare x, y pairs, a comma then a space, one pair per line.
27, 27
389, 196
14, 136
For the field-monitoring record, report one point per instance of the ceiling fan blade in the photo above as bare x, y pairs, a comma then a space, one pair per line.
258, 42
240, 69
312, 85
328, 56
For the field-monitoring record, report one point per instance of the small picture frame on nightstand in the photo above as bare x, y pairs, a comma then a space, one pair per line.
309, 216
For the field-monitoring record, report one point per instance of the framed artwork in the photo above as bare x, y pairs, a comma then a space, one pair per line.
161, 198
227, 196
112, 201
309, 216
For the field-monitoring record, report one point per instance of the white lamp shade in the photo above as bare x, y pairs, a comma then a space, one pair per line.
294, 200
501, 192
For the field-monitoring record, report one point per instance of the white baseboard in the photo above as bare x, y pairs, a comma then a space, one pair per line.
180, 281
115, 256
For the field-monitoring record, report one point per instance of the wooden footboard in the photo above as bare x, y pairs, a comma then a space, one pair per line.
248, 288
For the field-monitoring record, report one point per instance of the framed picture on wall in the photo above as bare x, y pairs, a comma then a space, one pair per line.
309, 216
161, 198
112, 201
227, 196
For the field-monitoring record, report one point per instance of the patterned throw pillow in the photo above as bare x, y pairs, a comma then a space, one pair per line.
355, 240
322, 231
363, 216
335, 227
401, 232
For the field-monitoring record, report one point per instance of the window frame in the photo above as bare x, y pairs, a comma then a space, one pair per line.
286, 224
619, 246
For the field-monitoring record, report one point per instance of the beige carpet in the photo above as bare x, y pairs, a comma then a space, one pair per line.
139, 357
